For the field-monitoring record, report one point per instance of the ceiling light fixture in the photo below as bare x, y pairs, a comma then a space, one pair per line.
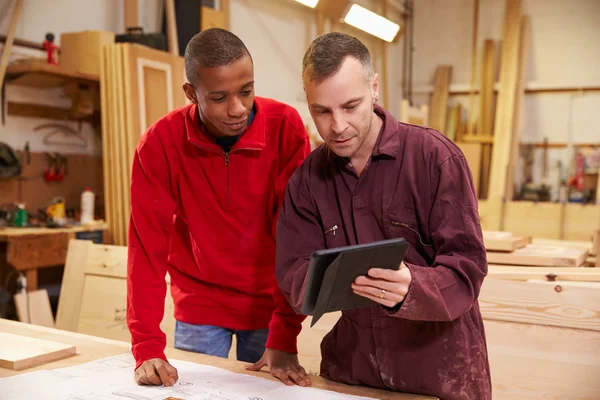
309, 3
374, 24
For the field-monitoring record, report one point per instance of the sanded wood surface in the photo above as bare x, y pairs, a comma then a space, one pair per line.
91, 348
504, 241
554, 304
20, 352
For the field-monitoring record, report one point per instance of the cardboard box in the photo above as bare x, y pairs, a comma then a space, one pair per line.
81, 51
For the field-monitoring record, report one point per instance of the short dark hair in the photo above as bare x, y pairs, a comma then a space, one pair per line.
212, 48
327, 52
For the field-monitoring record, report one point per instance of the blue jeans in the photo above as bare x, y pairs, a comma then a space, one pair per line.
216, 341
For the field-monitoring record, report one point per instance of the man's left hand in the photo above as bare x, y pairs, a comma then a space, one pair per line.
284, 366
385, 286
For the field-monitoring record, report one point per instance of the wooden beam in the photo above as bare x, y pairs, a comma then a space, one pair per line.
172, 27
9, 40
504, 124
439, 99
525, 34
472, 115
383, 81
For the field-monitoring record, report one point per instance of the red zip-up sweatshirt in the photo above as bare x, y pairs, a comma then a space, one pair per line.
208, 219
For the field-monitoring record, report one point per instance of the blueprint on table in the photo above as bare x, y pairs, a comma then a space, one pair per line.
111, 378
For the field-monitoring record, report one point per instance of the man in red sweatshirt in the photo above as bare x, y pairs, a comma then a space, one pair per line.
207, 183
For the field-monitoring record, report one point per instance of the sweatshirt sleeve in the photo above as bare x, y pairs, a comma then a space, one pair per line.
152, 209
450, 286
285, 324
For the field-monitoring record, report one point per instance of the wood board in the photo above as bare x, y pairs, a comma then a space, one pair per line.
551, 304
503, 127
34, 308
504, 241
472, 153
439, 99
541, 255
526, 273
21, 352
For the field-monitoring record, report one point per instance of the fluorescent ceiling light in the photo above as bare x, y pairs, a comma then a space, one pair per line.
366, 20
310, 3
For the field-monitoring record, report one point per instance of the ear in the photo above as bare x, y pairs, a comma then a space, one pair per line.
190, 92
375, 87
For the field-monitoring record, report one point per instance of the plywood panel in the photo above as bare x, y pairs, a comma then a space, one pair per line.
20, 352
34, 308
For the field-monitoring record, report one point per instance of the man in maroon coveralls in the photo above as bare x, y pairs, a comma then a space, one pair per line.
375, 179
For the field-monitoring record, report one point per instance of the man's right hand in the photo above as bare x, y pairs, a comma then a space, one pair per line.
156, 371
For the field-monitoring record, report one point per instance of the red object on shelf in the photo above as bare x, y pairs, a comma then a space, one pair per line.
51, 49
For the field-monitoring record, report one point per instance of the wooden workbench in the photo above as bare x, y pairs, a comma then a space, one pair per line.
91, 348
28, 249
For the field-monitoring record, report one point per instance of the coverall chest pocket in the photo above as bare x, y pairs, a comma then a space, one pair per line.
401, 222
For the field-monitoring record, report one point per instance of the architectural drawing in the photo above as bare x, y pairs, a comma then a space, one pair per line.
112, 378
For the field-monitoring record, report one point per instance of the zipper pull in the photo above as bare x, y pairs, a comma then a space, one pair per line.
227, 158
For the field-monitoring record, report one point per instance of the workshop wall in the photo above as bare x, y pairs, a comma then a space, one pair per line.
563, 52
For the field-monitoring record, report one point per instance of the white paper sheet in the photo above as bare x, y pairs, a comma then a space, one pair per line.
111, 378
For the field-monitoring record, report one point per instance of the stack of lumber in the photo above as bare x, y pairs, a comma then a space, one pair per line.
541, 312
138, 86
504, 248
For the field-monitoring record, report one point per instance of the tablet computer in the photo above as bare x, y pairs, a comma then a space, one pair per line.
332, 271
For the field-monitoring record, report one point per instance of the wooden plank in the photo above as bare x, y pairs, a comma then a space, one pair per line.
482, 138
71, 291
34, 308
542, 362
472, 116
472, 153
560, 305
454, 122
105, 101
540, 255
525, 273
172, 27
9, 40
503, 127
131, 14
486, 99
439, 99
504, 241
21, 352
524, 38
